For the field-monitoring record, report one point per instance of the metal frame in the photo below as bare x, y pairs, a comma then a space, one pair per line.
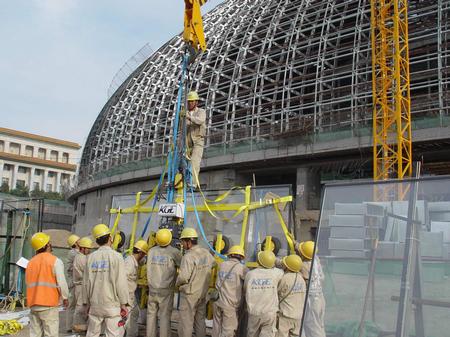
274, 69
392, 141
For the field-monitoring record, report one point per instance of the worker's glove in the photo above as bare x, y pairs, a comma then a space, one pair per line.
123, 311
183, 113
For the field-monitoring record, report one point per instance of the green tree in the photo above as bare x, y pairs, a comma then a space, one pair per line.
20, 191
53, 196
37, 193
4, 188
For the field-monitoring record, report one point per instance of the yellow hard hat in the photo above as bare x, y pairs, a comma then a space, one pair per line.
307, 249
293, 262
189, 233
72, 239
236, 250
193, 96
141, 245
266, 259
39, 240
85, 242
163, 237
100, 230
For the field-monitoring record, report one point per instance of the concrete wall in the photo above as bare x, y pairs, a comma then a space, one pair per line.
96, 204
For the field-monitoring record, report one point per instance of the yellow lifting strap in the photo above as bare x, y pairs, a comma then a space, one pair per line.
193, 24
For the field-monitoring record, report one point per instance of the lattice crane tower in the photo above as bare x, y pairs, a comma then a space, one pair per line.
392, 143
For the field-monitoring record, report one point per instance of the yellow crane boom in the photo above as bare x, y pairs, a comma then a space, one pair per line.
193, 24
392, 143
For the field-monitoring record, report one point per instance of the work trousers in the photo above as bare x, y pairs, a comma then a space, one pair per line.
111, 326
225, 321
288, 327
262, 325
192, 316
44, 323
70, 311
80, 316
196, 155
314, 321
132, 327
160, 305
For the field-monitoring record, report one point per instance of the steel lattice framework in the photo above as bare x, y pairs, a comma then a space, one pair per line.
274, 69
392, 143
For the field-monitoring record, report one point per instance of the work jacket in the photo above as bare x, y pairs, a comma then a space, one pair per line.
315, 277
45, 281
195, 272
162, 264
196, 126
261, 290
79, 265
131, 269
229, 283
291, 294
105, 282
69, 266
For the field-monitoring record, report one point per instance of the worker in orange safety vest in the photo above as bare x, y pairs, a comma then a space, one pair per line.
46, 287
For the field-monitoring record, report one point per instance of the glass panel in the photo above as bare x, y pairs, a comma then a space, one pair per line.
262, 221
374, 283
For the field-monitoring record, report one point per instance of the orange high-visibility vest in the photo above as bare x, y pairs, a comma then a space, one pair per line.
42, 287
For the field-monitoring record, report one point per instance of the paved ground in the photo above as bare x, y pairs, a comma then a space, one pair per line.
26, 331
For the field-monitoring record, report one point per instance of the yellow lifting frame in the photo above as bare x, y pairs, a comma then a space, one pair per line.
139, 207
392, 141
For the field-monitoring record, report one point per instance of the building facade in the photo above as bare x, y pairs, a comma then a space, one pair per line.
287, 90
36, 162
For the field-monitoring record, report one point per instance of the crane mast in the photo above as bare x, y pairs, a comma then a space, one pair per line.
392, 142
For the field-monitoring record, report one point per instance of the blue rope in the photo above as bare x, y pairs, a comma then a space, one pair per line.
202, 231
173, 155
161, 179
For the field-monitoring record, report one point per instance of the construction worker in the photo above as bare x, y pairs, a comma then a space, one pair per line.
229, 283
72, 242
79, 265
195, 134
291, 295
46, 286
261, 293
193, 282
132, 261
162, 263
314, 321
105, 286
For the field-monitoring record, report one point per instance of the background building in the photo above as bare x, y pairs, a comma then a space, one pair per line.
287, 87
36, 162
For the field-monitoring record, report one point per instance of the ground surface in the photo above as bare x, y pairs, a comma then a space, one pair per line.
26, 331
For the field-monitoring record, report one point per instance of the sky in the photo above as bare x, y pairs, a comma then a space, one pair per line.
58, 57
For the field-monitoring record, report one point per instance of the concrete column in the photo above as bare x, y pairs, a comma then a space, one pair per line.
14, 176
31, 178
308, 189
44, 182
58, 182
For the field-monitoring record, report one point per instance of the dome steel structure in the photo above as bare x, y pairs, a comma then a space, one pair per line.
273, 70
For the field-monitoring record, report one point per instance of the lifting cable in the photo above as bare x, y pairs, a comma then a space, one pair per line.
202, 231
